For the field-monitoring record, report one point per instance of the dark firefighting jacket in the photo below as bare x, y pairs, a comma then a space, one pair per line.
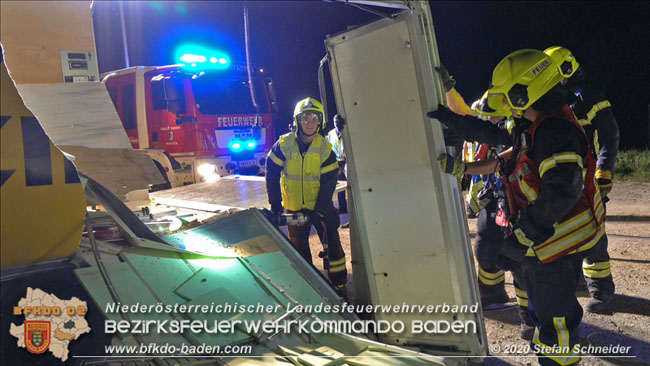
578, 229
559, 189
594, 113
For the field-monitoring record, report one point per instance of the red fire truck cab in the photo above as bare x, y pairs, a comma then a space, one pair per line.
196, 125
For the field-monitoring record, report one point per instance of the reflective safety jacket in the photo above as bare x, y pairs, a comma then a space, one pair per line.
583, 225
300, 178
336, 139
473, 151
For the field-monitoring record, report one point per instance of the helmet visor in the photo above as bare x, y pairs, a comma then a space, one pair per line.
518, 96
310, 117
494, 105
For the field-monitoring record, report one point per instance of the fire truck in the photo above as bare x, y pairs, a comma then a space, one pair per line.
199, 120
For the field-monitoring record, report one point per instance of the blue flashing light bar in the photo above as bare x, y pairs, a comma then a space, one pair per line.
190, 58
199, 57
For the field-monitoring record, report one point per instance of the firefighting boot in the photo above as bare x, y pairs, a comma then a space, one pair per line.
491, 286
526, 326
526, 331
341, 291
492, 295
600, 304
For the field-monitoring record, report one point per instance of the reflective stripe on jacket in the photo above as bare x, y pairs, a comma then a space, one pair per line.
300, 179
594, 113
582, 227
585, 122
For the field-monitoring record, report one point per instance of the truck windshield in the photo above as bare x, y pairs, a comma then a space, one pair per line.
227, 93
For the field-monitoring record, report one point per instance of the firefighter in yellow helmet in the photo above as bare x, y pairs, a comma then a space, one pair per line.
301, 177
486, 199
556, 211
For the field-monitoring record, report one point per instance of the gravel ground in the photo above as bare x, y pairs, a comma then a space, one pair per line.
628, 227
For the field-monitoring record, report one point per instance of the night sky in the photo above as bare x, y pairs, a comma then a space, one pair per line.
611, 40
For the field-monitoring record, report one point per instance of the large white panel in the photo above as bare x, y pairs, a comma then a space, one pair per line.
409, 220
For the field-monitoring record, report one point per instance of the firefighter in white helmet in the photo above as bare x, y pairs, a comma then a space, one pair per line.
301, 176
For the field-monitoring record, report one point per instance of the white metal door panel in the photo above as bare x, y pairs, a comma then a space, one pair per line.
410, 226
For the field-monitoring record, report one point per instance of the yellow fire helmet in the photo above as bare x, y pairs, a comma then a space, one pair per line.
492, 106
308, 104
563, 58
523, 77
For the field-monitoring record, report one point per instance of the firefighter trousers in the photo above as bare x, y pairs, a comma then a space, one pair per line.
343, 203
489, 238
492, 266
554, 308
335, 260
597, 272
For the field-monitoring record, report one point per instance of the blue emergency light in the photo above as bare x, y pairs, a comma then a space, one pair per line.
235, 146
238, 145
198, 57
190, 58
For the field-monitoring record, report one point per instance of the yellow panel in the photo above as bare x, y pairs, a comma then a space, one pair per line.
42, 221
33, 33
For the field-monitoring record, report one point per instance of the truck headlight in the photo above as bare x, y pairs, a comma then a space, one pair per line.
206, 169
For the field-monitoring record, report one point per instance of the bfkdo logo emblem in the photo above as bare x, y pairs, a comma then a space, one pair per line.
37, 335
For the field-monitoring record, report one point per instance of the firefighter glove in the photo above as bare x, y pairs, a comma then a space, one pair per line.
451, 165
604, 180
511, 251
444, 115
339, 122
447, 80
452, 138
484, 197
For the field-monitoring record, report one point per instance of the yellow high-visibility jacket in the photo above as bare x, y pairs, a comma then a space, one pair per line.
300, 178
